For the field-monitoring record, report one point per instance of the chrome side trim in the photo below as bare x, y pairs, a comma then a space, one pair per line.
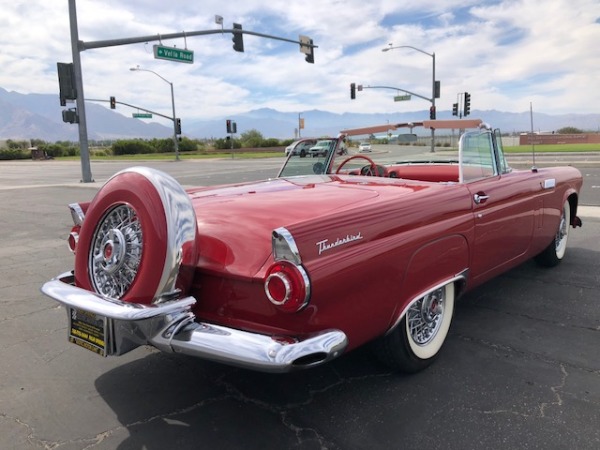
462, 276
172, 327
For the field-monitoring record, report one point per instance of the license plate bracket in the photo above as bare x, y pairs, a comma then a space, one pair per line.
88, 330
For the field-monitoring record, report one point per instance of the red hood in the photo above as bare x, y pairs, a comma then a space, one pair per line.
235, 222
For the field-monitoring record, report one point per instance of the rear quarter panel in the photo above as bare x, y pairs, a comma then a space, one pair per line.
406, 247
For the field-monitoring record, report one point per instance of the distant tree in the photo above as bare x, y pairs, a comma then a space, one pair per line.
251, 138
164, 145
225, 144
16, 145
37, 142
132, 147
187, 145
569, 130
270, 142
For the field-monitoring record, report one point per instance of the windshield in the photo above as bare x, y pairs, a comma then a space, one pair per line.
326, 156
403, 155
315, 161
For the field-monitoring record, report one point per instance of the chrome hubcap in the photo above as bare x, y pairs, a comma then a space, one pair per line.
562, 232
116, 252
424, 317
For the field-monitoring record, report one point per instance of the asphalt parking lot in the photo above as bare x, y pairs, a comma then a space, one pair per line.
520, 370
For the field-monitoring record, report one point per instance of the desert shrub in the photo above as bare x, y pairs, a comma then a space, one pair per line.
14, 153
132, 147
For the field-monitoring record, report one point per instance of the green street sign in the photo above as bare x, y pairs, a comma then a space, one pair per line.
401, 98
142, 115
173, 54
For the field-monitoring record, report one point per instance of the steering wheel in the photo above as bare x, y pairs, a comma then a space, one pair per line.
319, 168
372, 170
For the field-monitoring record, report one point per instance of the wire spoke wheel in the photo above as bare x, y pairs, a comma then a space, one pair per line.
562, 234
417, 340
424, 317
116, 251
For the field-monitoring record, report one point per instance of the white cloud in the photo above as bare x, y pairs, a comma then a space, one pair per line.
506, 53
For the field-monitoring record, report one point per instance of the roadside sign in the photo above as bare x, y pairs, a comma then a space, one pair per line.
305, 45
173, 54
142, 115
401, 98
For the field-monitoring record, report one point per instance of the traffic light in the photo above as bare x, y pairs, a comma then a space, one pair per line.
70, 116
228, 124
113, 103
455, 109
467, 108
352, 91
310, 56
238, 38
177, 126
432, 113
66, 83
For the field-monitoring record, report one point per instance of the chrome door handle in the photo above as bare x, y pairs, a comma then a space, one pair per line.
480, 198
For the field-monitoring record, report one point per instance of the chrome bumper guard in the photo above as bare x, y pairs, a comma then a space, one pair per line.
171, 327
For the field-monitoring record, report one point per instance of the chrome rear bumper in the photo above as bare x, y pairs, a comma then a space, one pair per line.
171, 327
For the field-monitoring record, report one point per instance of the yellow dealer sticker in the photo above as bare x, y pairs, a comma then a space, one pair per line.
88, 330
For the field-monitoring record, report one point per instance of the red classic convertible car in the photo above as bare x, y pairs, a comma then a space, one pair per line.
291, 272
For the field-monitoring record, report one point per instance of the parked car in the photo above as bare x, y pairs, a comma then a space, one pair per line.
322, 147
300, 147
364, 147
291, 272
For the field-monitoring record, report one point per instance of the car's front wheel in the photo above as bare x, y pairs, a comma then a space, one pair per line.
417, 340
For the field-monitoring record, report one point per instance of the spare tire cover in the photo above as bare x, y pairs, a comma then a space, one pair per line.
138, 238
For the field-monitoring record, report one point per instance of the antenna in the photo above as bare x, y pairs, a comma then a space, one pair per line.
533, 168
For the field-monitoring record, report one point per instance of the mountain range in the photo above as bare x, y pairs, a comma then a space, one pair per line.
39, 116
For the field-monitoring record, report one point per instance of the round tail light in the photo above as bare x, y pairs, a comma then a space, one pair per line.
287, 286
73, 238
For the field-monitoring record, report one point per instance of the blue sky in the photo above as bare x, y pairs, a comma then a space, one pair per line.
507, 54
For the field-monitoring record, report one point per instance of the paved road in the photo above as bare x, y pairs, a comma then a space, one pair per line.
520, 369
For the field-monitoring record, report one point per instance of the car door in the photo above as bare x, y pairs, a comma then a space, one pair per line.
504, 205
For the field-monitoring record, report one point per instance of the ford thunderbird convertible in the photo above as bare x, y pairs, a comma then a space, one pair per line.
338, 250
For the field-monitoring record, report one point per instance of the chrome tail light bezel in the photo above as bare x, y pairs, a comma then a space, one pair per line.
78, 215
287, 284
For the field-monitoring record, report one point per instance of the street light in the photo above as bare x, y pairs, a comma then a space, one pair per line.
175, 141
432, 83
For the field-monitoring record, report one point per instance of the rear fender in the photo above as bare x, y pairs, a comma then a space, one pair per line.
432, 266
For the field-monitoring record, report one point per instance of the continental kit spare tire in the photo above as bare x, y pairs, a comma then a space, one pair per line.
138, 239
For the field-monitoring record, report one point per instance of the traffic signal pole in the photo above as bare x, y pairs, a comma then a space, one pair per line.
130, 106
77, 46
434, 86
86, 170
